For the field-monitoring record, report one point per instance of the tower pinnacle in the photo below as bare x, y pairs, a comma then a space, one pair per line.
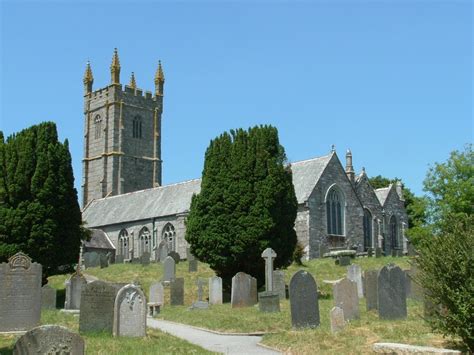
88, 78
159, 80
133, 83
115, 68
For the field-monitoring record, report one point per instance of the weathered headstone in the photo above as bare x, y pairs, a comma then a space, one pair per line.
175, 256
119, 259
354, 273
344, 260
20, 293
74, 286
192, 265
91, 259
345, 297
215, 290
378, 252
200, 303
244, 290
413, 288
49, 339
157, 293
391, 293
162, 251
268, 255
130, 312
177, 291
169, 269
336, 314
145, 259
370, 287
304, 300
97, 307
393, 253
279, 283
103, 260
411, 249
48, 297
370, 252
269, 301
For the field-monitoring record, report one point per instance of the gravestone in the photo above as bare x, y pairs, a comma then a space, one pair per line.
119, 259
336, 314
391, 293
177, 292
393, 253
104, 260
215, 290
345, 297
244, 290
49, 339
200, 303
74, 286
269, 301
175, 256
354, 273
344, 260
162, 251
370, 252
411, 249
378, 252
192, 261
370, 287
48, 297
157, 293
279, 285
169, 269
304, 300
20, 293
145, 259
97, 307
413, 288
91, 259
130, 312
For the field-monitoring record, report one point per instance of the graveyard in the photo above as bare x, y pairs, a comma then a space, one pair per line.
320, 335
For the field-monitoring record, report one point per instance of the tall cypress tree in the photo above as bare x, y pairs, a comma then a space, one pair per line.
247, 203
39, 212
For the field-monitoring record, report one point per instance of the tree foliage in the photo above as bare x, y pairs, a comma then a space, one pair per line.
247, 203
39, 212
446, 251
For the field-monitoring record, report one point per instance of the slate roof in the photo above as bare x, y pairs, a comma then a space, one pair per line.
139, 205
306, 174
99, 240
382, 193
174, 199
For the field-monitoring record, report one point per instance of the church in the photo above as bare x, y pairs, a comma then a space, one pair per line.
131, 212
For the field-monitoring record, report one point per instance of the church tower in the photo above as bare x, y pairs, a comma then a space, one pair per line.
122, 135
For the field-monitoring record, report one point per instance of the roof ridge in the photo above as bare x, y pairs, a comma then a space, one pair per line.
314, 158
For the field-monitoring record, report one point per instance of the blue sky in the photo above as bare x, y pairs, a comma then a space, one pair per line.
392, 80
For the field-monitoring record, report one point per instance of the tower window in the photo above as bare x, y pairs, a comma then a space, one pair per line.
335, 212
97, 127
137, 127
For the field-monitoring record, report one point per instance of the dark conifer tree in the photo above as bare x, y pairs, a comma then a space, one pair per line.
247, 203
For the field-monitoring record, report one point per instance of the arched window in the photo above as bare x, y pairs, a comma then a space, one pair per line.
124, 248
367, 229
393, 232
169, 236
335, 212
145, 241
97, 127
137, 127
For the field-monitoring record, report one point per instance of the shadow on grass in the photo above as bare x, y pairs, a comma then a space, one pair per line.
60, 298
6, 350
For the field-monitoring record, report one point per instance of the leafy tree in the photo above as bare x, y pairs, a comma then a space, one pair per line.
446, 253
247, 203
39, 212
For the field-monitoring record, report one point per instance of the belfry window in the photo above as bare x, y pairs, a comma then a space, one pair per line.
169, 236
137, 127
335, 212
97, 127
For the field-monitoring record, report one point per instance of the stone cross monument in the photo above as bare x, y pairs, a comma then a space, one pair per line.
269, 254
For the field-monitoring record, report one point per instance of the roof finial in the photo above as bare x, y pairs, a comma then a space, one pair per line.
115, 68
333, 148
363, 169
159, 80
88, 78
133, 83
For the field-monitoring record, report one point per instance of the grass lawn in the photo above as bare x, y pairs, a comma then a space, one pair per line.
155, 342
356, 338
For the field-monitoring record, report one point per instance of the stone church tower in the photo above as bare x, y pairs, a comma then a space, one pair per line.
122, 136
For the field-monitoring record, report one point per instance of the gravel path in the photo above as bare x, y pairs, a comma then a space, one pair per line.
226, 344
